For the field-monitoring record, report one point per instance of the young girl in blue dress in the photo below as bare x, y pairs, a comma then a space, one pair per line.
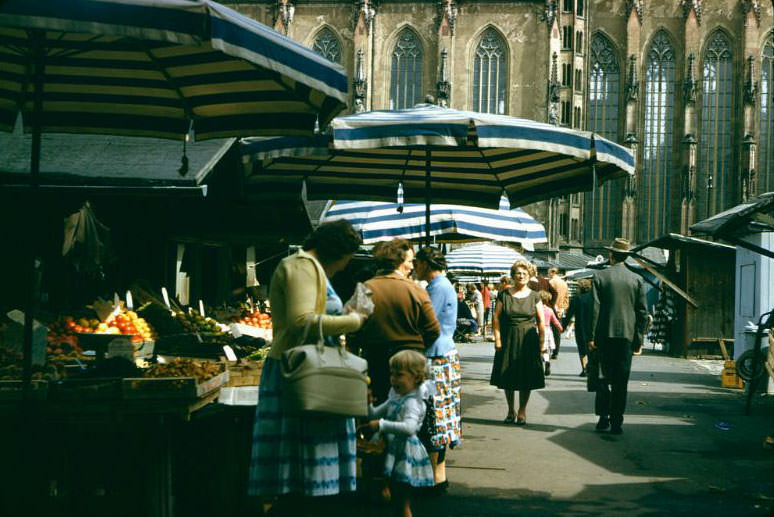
406, 462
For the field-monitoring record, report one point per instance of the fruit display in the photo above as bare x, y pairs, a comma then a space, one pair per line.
183, 367
195, 323
11, 367
126, 323
255, 318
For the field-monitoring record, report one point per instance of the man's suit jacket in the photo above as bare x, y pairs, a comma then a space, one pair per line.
620, 310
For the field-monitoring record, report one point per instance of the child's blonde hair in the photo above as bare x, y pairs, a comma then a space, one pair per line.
412, 362
545, 297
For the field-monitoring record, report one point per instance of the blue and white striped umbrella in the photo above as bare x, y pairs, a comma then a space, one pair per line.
159, 68
482, 259
464, 157
378, 221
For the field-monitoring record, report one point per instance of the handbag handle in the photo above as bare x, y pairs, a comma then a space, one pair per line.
321, 340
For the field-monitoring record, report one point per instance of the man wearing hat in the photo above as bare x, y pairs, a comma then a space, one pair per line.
618, 324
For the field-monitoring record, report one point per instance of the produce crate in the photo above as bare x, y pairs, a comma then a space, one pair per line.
85, 389
729, 378
245, 373
171, 387
203, 346
11, 390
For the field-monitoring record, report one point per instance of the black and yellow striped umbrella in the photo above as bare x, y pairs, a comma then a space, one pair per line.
158, 68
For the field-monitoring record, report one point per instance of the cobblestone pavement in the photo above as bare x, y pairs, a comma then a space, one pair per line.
687, 447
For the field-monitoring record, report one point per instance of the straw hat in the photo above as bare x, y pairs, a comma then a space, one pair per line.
620, 245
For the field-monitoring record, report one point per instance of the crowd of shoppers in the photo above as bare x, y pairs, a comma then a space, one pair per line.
409, 342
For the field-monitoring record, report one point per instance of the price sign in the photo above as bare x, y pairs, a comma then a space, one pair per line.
230, 355
166, 297
129, 301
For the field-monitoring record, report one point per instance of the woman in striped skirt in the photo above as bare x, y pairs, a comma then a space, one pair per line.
296, 455
443, 362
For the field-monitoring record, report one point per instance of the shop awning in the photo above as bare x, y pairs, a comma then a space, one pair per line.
753, 216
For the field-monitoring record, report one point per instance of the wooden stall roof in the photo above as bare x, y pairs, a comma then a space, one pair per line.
109, 160
675, 240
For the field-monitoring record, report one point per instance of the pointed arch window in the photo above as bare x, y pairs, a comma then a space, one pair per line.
328, 46
603, 208
406, 76
766, 134
489, 74
655, 180
715, 139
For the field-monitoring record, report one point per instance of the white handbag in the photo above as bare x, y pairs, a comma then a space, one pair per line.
324, 379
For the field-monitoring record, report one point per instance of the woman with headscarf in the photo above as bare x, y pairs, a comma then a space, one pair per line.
443, 362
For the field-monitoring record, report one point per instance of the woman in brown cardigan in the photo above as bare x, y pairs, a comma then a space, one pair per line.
403, 314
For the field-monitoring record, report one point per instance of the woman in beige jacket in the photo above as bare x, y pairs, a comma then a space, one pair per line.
292, 455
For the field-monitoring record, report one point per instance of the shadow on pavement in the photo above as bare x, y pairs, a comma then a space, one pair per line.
593, 501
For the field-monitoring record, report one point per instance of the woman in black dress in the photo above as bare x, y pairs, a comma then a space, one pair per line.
518, 333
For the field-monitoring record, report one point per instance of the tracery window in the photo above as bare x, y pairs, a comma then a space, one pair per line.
489, 74
655, 180
716, 138
766, 134
406, 77
603, 208
327, 45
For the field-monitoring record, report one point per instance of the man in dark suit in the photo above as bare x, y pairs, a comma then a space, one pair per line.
618, 323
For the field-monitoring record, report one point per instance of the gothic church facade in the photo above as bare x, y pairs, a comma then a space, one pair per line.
687, 84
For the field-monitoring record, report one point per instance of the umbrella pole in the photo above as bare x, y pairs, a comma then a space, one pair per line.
427, 197
32, 272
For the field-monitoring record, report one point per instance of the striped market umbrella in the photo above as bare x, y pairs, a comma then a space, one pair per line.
482, 259
378, 221
159, 68
453, 156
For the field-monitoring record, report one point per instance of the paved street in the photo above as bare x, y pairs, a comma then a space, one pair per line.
671, 459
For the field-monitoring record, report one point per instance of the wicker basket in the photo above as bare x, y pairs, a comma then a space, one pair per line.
245, 373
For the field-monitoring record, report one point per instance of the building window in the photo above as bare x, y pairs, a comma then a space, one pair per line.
716, 138
327, 45
579, 42
577, 118
567, 37
578, 81
574, 234
564, 225
567, 6
579, 7
489, 74
566, 107
602, 214
766, 135
406, 78
653, 221
566, 74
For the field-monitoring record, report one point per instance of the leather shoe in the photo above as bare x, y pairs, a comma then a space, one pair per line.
616, 429
603, 424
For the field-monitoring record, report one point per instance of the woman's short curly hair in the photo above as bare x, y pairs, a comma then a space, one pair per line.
391, 254
522, 264
334, 240
412, 362
432, 257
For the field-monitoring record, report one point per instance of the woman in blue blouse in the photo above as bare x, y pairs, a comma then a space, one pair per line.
443, 361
